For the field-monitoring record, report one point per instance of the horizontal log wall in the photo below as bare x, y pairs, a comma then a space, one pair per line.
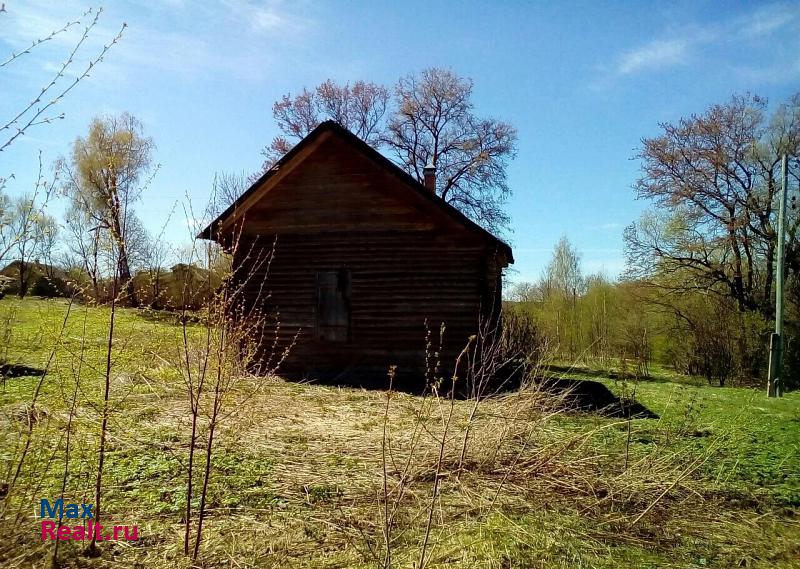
400, 281
409, 261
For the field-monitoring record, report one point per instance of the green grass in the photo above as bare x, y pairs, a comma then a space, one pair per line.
763, 453
297, 477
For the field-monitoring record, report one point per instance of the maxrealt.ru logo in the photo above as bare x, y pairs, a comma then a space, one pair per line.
58, 510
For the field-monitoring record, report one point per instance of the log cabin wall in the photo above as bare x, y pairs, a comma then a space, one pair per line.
397, 283
360, 263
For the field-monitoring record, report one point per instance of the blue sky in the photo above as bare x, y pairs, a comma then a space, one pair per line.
583, 82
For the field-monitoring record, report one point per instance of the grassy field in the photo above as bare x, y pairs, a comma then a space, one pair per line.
298, 478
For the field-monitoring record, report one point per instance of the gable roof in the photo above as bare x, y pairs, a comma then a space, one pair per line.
242, 203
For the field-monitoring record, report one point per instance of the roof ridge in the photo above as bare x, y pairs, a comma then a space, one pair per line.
330, 124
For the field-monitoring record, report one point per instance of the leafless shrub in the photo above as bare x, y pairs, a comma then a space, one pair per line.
481, 456
8, 319
77, 369
634, 345
218, 356
437, 454
36, 112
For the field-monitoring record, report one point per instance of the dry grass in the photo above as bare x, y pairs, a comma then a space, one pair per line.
298, 480
525, 466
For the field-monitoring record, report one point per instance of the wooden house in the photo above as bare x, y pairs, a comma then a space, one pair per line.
365, 257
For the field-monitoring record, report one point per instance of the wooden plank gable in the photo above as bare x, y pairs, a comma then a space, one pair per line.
333, 181
336, 189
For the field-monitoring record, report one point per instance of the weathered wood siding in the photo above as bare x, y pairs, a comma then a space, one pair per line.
407, 264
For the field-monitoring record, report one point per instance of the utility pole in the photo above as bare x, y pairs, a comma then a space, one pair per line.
774, 375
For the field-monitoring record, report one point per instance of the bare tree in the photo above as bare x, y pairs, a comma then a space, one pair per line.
105, 177
229, 186
563, 273
157, 252
561, 288
83, 246
714, 180
137, 242
523, 291
24, 225
20, 217
434, 123
27, 232
360, 108
47, 239
35, 250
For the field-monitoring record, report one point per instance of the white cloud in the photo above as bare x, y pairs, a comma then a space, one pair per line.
186, 38
680, 47
266, 18
767, 20
656, 54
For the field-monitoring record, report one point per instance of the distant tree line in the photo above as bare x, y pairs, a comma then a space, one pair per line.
586, 319
698, 293
101, 243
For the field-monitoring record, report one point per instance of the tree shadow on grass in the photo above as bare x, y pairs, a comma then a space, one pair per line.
589, 396
17, 370
579, 395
